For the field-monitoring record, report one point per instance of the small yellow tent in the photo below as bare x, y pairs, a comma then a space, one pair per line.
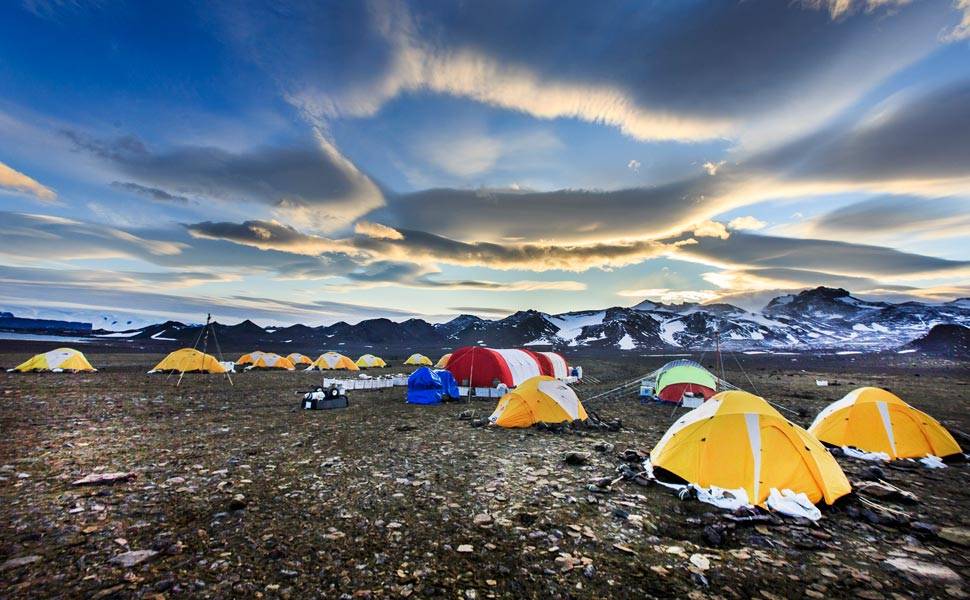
874, 420
250, 358
369, 361
334, 361
299, 359
538, 399
270, 360
737, 440
189, 360
418, 360
443, 361
61, 359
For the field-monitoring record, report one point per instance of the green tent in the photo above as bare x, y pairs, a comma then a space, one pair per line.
679, 377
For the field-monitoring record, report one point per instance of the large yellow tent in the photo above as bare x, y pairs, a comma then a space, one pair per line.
189, 360
874, 420
270, 360
299, 359
334, 361
418, 359
443, 361
369, 361
250, 357
538, 399
61, 359
737, 440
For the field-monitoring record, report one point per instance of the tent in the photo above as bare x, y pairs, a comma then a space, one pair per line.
189, 360
874, 420
680, 377
737, 440
553, 364
443, 361
538, 399
484, 367
250, 358
270, 360
369, 361
333, 361
418, 359
61, 359
424, 387
299, 359
449, 387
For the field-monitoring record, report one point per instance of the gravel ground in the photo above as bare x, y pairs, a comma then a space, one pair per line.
238, 493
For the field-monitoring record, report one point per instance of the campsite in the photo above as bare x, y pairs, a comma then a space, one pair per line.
235, 491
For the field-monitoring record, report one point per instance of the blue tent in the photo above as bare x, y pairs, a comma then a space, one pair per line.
424, 387
449, 387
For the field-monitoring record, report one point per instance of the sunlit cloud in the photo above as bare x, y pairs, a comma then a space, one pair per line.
12, 180
747, 222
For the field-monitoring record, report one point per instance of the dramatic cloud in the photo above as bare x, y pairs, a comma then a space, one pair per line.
377, 231
12, 180
86, 278
315, 187
888, 217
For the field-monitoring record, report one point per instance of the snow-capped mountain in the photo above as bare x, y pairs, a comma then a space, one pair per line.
822, 318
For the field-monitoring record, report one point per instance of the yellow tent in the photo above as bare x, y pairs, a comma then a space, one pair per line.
538, 399
874, 420
737, 440
418, 359
189, 360
299, 359
369, 361
443, 361
269, 360
62, 359
250, 358
333, 361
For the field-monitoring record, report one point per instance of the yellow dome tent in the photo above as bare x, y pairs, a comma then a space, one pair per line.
418, 359
443, 361
334, 361
270, 360
369, 361
61, 359
189, 360
538, 399
737, 440
874, 420
299, 359
251, 357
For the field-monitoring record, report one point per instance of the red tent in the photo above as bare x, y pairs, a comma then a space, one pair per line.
552, 364
484, 367
675, 392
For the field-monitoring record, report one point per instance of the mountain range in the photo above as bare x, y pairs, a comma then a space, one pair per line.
821, 318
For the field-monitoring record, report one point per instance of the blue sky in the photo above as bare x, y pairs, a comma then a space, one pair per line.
317, 162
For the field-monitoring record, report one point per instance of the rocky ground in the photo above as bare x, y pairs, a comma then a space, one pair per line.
233, 491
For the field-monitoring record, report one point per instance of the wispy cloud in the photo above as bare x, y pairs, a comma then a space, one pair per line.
12, 180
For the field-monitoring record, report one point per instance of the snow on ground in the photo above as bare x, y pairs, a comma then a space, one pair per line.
32, 337
158, 336
669, 328
118, 334
627, 343
571, 325
907, 351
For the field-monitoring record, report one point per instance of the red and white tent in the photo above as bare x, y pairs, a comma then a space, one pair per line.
553, 364
485, 367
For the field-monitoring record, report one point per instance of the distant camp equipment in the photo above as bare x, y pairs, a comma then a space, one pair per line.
553, 364
540, 399
369, 361
326, 398
334, 361
443, 361
737, 440
875, 420
299, 359
418, 359
56, 361
486, 367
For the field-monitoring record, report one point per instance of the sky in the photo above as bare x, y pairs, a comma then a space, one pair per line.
315, 162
